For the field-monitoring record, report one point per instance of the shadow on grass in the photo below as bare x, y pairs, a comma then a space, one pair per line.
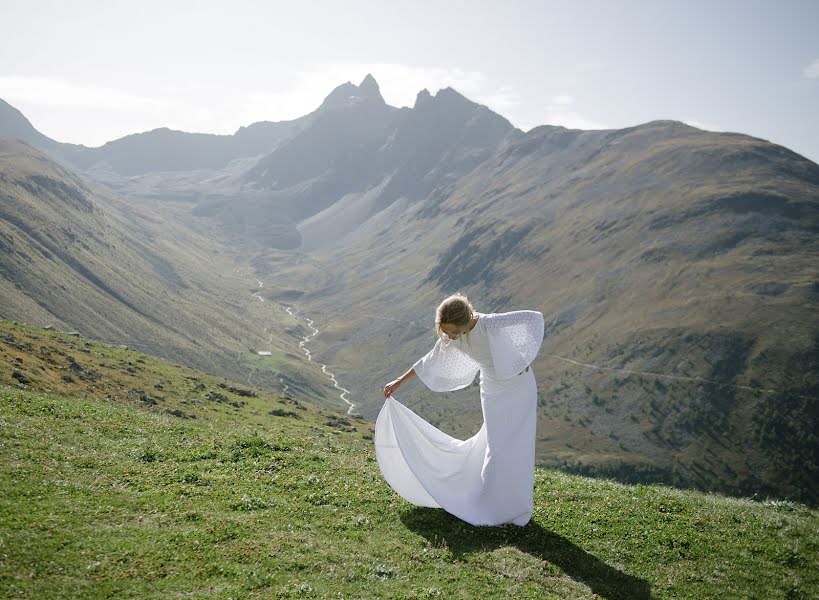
461, 538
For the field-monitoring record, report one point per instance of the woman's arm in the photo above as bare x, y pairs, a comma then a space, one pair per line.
390, 388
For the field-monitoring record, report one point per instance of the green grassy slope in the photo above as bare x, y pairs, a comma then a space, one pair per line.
51, 362
110, 496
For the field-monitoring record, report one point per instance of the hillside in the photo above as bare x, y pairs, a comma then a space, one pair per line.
107, 493
14, 125
52, 362
132, 271
678, 265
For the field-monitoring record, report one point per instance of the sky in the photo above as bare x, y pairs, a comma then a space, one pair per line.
88, 72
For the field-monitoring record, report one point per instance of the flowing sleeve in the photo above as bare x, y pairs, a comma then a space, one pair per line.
445, 368
514, 340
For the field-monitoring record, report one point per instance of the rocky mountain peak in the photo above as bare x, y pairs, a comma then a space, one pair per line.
447, 100
349, 94
369, 87
422, 97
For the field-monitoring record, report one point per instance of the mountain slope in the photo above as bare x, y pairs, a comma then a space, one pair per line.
109, 496
364, 154
13, 124
679, 264
77, 257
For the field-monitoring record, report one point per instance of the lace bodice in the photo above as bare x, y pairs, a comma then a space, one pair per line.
476, 346
514, 339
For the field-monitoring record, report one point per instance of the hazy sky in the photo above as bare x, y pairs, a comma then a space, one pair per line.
91, 71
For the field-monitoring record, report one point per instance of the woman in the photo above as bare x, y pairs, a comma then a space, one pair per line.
487, 479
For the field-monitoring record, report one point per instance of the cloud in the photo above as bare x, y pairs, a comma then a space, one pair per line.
56, 92
560, 111
700, 124
812, 70
559, 101
500, 101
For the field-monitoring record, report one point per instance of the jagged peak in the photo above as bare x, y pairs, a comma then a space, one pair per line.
446, 95
422, 97
369, 86
450, 92
349, 94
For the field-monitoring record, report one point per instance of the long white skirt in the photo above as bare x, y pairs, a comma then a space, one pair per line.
485, 480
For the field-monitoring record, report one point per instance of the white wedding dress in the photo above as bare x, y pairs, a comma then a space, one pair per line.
488, 478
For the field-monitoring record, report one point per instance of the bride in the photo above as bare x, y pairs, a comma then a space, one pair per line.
488, 478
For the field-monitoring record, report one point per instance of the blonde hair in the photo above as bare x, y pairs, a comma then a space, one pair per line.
454, 310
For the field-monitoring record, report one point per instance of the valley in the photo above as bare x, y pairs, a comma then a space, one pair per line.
676, 268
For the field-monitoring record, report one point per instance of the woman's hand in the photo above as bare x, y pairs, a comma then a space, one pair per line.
393, 385
390, 388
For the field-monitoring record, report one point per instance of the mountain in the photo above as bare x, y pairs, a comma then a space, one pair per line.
14, 125
656, 253
680, 264
161, 149
357, 161
154, 480
77, 257
358, 157
168, 150
676, 268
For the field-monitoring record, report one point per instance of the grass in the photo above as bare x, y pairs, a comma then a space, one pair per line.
107, 497
52, 362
